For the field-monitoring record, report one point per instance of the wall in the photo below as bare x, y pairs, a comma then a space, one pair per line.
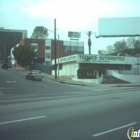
60, 48
41, 45
68, 69
128, 78
90, 81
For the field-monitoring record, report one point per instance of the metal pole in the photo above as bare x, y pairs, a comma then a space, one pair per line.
138, 66
4, 53
58, 57
55, 67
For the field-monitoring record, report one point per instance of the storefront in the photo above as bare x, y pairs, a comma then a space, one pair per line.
120, 64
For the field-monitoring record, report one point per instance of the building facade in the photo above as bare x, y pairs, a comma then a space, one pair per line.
38, 45
46, 49
8, 39
121, 67
63, 48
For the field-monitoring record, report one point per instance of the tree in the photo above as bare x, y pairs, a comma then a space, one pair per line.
130, 42
24, 54
110, 49
133, 42
137, 43
89, 33
120, 46
102, 52
40, 32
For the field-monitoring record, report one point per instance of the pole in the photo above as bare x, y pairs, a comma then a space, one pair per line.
58, 57
4, 53
55, 67
138, 66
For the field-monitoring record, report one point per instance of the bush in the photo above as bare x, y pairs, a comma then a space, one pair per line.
89, 72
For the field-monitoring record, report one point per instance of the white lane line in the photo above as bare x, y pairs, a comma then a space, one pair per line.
21, 120
11, 81
111, 130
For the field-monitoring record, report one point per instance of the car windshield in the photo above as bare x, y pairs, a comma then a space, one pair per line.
36, 73
35, 70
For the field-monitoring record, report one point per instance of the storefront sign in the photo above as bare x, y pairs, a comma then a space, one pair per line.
100, 58
68, 59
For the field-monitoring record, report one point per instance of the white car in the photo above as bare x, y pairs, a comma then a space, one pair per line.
34, 76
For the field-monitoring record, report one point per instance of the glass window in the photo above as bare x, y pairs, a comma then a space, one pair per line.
68, 49
75, 48
65, 48
72, 48
80, 49
48, 47
48, 55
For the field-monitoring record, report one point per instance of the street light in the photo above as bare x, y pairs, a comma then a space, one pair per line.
57, 52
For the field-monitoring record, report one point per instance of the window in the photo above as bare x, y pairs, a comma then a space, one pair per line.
66, 48
48, 55
73, 49
48, 47
81, 49
34, 46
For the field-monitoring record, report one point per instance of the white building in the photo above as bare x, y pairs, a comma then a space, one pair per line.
122, 67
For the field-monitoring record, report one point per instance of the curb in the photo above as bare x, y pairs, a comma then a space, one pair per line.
83, 84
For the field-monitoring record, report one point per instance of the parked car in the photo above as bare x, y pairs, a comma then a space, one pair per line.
4, 66
34, 76
36, 71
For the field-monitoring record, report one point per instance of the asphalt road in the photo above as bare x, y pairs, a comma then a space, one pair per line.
49, 110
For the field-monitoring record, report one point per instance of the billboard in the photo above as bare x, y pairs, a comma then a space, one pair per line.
119, 27
74, 34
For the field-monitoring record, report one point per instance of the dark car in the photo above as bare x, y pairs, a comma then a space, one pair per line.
34, 76
4, 66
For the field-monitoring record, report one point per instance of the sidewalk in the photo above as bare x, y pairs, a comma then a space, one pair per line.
69, 81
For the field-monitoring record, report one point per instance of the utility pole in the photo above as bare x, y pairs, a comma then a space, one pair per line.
55, 67
58, 57
4, 53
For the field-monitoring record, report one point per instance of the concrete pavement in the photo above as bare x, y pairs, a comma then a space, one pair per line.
70, 81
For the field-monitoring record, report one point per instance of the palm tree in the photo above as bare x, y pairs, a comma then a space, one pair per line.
89, 33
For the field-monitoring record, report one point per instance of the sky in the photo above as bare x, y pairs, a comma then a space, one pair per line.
71, 15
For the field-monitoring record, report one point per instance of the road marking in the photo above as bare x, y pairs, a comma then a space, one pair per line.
11, 106
11, 81
111, 130
21, 120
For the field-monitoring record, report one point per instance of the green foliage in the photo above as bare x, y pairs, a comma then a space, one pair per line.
89, 72
120, 46
40, 32
128, 46
24, 54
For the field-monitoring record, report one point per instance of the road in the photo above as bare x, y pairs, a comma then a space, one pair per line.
49, 110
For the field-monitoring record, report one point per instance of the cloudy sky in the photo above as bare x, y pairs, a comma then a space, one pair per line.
71, 15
